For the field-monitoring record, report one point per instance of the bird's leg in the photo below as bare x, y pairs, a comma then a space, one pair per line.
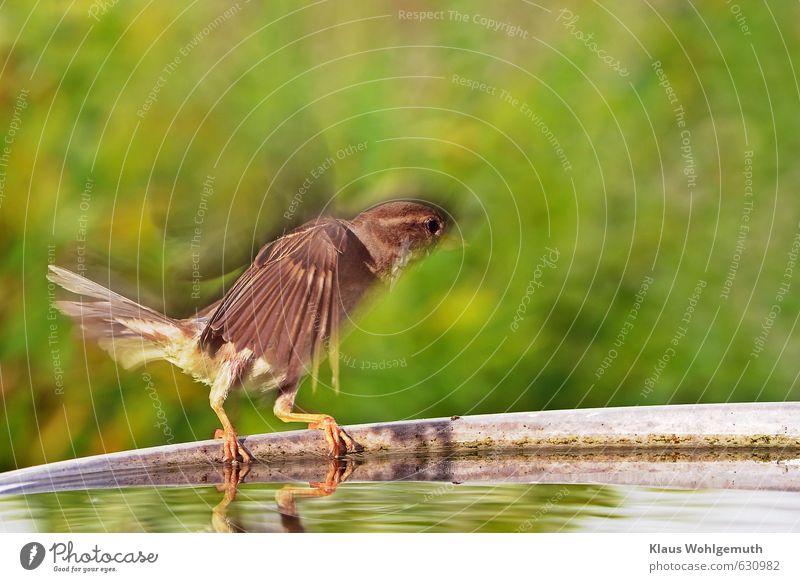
339, 442
231, 448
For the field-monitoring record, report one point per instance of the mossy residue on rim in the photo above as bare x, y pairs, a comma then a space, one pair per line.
756, 441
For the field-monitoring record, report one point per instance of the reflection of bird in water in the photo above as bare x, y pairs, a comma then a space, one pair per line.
273, 325
339, 470
232, 476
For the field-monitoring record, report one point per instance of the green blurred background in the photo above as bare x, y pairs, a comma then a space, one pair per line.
624, 174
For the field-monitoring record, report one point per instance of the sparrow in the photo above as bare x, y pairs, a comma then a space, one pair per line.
278, 320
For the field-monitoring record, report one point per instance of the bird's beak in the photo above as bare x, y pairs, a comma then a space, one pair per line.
452, 241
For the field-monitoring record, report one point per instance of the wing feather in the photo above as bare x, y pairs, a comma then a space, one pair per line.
286, 305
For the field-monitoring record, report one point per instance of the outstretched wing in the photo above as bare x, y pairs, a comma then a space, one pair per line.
287, 303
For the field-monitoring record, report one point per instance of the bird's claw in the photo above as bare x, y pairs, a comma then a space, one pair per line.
232, 449
339, 442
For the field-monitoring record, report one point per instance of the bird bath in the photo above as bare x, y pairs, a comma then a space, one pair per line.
733, 467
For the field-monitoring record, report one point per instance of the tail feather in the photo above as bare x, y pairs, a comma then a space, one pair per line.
133, 334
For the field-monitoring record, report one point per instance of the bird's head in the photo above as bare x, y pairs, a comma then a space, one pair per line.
398, 232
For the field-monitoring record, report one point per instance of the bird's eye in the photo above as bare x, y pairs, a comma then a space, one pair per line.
433, 225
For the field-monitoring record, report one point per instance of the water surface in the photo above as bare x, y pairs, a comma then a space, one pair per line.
498, 494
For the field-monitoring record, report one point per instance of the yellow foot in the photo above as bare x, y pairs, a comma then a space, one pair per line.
339, 442
232, 449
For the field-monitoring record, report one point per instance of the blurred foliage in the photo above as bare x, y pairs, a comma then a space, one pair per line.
118, 113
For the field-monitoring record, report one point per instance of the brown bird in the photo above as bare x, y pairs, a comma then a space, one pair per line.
275, 323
